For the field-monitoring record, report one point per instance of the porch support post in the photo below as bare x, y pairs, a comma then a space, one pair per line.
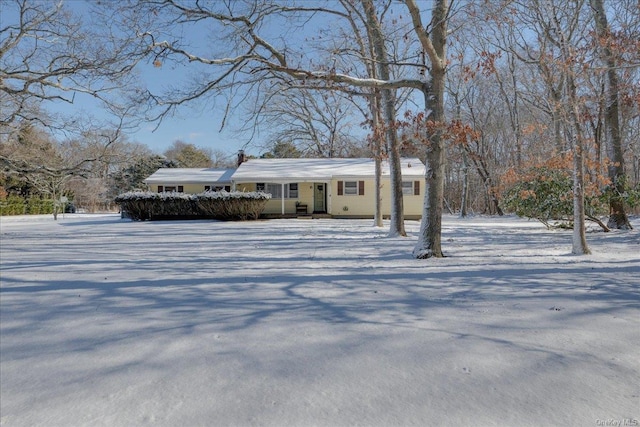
327, 197
282, 198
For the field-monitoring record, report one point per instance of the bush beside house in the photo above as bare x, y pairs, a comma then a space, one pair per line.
221, 205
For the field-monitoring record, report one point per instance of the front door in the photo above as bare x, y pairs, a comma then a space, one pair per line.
319, 198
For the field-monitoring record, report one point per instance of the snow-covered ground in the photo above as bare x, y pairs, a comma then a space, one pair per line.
108, 322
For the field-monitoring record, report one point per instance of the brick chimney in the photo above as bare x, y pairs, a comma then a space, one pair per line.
241, 157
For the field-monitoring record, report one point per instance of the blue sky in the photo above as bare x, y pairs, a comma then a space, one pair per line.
196, 123
201, 128
191, 124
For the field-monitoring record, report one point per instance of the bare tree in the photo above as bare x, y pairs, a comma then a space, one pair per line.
319, 124
90, 189
33, 156
51, 55
433, 40
560, 26
48, 54
388, 104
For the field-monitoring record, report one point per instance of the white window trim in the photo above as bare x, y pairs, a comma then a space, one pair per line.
270, 187
407, 188
347, 191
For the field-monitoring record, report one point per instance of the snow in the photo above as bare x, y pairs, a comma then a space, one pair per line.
108, 322
190, 175
319, 169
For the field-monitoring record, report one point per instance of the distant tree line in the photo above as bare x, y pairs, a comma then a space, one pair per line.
44, 175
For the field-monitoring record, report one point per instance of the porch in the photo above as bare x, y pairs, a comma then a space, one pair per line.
293, 199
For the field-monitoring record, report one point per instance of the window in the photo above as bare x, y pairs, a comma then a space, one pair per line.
290, 190
217, 187
275, 190
411, 188
351, 188
170, 189
407, 188
293, 190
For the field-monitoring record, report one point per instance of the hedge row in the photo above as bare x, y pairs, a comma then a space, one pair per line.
14, 205
222, 205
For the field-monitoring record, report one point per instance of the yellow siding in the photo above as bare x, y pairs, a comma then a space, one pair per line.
343, 206
305, 194
274, 206
193, 188
364, 205
246, 187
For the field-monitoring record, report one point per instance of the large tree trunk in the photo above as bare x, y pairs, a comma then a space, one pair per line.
434, 44
617, 216
430, 241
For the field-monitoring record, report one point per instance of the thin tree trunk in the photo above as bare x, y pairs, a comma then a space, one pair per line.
55, 201
465, 184
579, 240
483, 171
377, 155
389, 116
579, 246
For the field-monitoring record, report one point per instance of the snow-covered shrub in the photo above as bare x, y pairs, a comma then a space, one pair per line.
137, 204
223, 205
171, 205
235, 205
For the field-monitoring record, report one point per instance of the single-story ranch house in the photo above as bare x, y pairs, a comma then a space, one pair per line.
336, 187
